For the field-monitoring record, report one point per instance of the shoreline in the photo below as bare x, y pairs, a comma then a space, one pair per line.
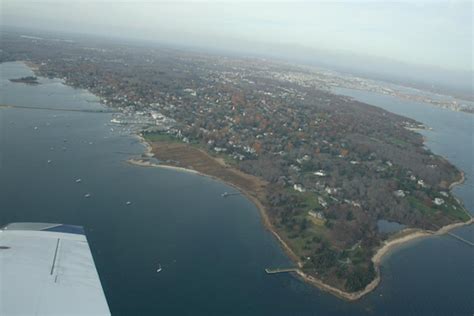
409, 234
458, 182
379, 256
380, 253
262, 210
145, 163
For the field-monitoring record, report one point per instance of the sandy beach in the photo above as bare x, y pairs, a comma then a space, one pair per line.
147, 163
458, 182
409, 235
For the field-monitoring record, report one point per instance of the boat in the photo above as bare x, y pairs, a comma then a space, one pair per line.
128, 202
87, 195
159, 268
49, 160
78, 180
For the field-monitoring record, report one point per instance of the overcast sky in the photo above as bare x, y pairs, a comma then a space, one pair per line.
434, 33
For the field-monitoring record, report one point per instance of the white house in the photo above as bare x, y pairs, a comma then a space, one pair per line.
320, 173
318, 214
299, 188
399, 193
322, 202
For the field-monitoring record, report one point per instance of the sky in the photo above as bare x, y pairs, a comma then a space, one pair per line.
433, 33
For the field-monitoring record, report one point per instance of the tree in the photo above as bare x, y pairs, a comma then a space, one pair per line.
359, 277
350, 215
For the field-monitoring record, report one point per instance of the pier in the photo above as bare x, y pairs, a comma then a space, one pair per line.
461, 239
467, 242
280, 270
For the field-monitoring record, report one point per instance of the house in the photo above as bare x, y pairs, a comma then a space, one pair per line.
399, 193
438, 201
320, 173
331, 190
219, 149
355, 204
299, 188
295, 168
316, 214
421, 183
322, 202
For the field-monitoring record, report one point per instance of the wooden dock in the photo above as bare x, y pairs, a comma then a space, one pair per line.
461, 239
280, 270
467, 242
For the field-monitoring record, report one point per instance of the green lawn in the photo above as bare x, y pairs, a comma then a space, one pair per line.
160, 137
457, 213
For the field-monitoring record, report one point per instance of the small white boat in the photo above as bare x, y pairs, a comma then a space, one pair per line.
159, 268
87, 195
128, 202
49, 160
78, 180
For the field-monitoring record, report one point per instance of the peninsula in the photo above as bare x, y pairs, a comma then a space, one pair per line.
323, 169
176, 154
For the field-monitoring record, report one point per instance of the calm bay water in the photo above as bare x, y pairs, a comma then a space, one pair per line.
212, 250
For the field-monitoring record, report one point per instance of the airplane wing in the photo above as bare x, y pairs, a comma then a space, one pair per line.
48, 269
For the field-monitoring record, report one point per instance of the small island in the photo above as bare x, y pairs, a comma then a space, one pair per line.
31, 80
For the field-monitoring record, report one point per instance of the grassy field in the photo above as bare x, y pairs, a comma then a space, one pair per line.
160, 137
449, 208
